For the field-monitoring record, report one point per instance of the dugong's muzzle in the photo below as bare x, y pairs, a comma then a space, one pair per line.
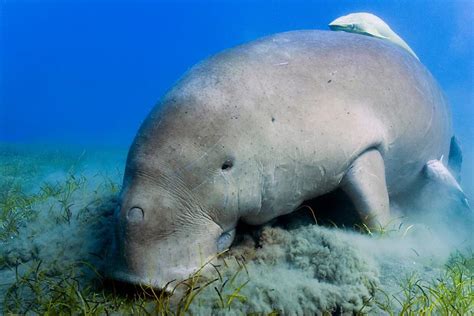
154, 256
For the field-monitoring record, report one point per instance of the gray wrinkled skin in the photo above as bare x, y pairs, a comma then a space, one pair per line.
252, 132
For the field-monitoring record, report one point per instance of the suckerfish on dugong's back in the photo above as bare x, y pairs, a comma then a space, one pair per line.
252, 132
368, 24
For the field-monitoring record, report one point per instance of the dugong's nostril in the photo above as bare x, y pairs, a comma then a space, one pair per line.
135, 215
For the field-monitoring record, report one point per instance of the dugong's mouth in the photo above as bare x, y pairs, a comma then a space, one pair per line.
166, 284
126, 277
162, 278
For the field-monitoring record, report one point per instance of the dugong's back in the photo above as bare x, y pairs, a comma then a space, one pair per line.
337, 90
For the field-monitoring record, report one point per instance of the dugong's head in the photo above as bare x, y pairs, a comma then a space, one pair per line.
189, 177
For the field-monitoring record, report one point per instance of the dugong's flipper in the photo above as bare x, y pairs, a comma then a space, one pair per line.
436, 171
368, 24
365, 185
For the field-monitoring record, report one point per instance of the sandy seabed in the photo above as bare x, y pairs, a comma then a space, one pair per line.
57, 209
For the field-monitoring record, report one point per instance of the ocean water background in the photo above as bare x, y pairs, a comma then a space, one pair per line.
78, 77
88, 72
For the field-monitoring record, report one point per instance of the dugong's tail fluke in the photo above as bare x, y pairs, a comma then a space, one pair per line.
455, 158
371, 25
437, 172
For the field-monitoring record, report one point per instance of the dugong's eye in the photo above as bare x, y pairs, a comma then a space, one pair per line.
227, 165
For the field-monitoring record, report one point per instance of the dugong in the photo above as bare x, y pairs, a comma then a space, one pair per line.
252, 132
368, 24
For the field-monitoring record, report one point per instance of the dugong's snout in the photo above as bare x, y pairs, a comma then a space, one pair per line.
155, 253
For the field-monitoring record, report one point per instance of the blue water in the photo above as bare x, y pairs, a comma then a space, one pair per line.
89, 71
86, 73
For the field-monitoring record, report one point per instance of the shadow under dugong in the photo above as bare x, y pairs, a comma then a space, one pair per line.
252, 132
